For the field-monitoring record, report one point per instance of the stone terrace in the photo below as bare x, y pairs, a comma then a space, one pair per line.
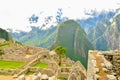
31, 55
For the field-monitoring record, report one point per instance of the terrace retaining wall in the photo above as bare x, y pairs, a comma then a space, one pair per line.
7, 71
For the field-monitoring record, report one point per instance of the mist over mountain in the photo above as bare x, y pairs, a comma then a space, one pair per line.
41, 36
89, 23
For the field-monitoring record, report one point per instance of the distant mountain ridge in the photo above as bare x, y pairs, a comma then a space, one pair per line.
37, 37
110, 36
89, 23
100, 21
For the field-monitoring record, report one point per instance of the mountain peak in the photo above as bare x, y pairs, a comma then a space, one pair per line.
73, 37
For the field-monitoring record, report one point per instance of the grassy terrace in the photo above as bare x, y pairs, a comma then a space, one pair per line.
65, 66
61, 78
29, 73
41, 65
10, 64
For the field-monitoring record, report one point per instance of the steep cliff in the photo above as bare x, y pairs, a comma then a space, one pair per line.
73, 37
107, 35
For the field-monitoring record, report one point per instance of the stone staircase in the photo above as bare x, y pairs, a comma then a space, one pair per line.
24, 69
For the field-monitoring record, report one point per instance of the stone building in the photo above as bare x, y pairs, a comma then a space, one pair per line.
103, 65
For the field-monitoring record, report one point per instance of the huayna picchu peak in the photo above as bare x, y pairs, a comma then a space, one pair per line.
72, 36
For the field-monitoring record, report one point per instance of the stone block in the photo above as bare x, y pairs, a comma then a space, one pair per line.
111, 77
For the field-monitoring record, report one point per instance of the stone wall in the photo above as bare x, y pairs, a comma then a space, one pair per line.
15, 54
7, 71
64, 75
103, 65
91, 66
49, 72
19, 54
13, 57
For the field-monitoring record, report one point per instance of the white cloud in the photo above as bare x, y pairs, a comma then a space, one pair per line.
14, 13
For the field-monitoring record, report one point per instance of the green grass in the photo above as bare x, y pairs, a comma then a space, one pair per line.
29, 73
4, 43
41, 65
10, 64
61, 78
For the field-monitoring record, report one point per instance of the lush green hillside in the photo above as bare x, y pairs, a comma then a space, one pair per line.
73, 37
37, 37
109, 37
5, 35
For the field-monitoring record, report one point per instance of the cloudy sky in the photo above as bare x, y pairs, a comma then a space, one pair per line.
15, 13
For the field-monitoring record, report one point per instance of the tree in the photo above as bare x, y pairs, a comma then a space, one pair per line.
1, 52
61, 52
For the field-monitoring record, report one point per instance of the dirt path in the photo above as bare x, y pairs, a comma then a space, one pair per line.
6, 77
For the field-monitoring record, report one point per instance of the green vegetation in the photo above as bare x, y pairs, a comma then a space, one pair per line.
1, 52
4, 43
66, 66
41, 65
62, 78
29, 73
10, 64
37, 37
61, 52
6, 40
5, 35
71, 36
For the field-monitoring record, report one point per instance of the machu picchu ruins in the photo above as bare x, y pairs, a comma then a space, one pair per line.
68, 70
43, 64
102, 65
